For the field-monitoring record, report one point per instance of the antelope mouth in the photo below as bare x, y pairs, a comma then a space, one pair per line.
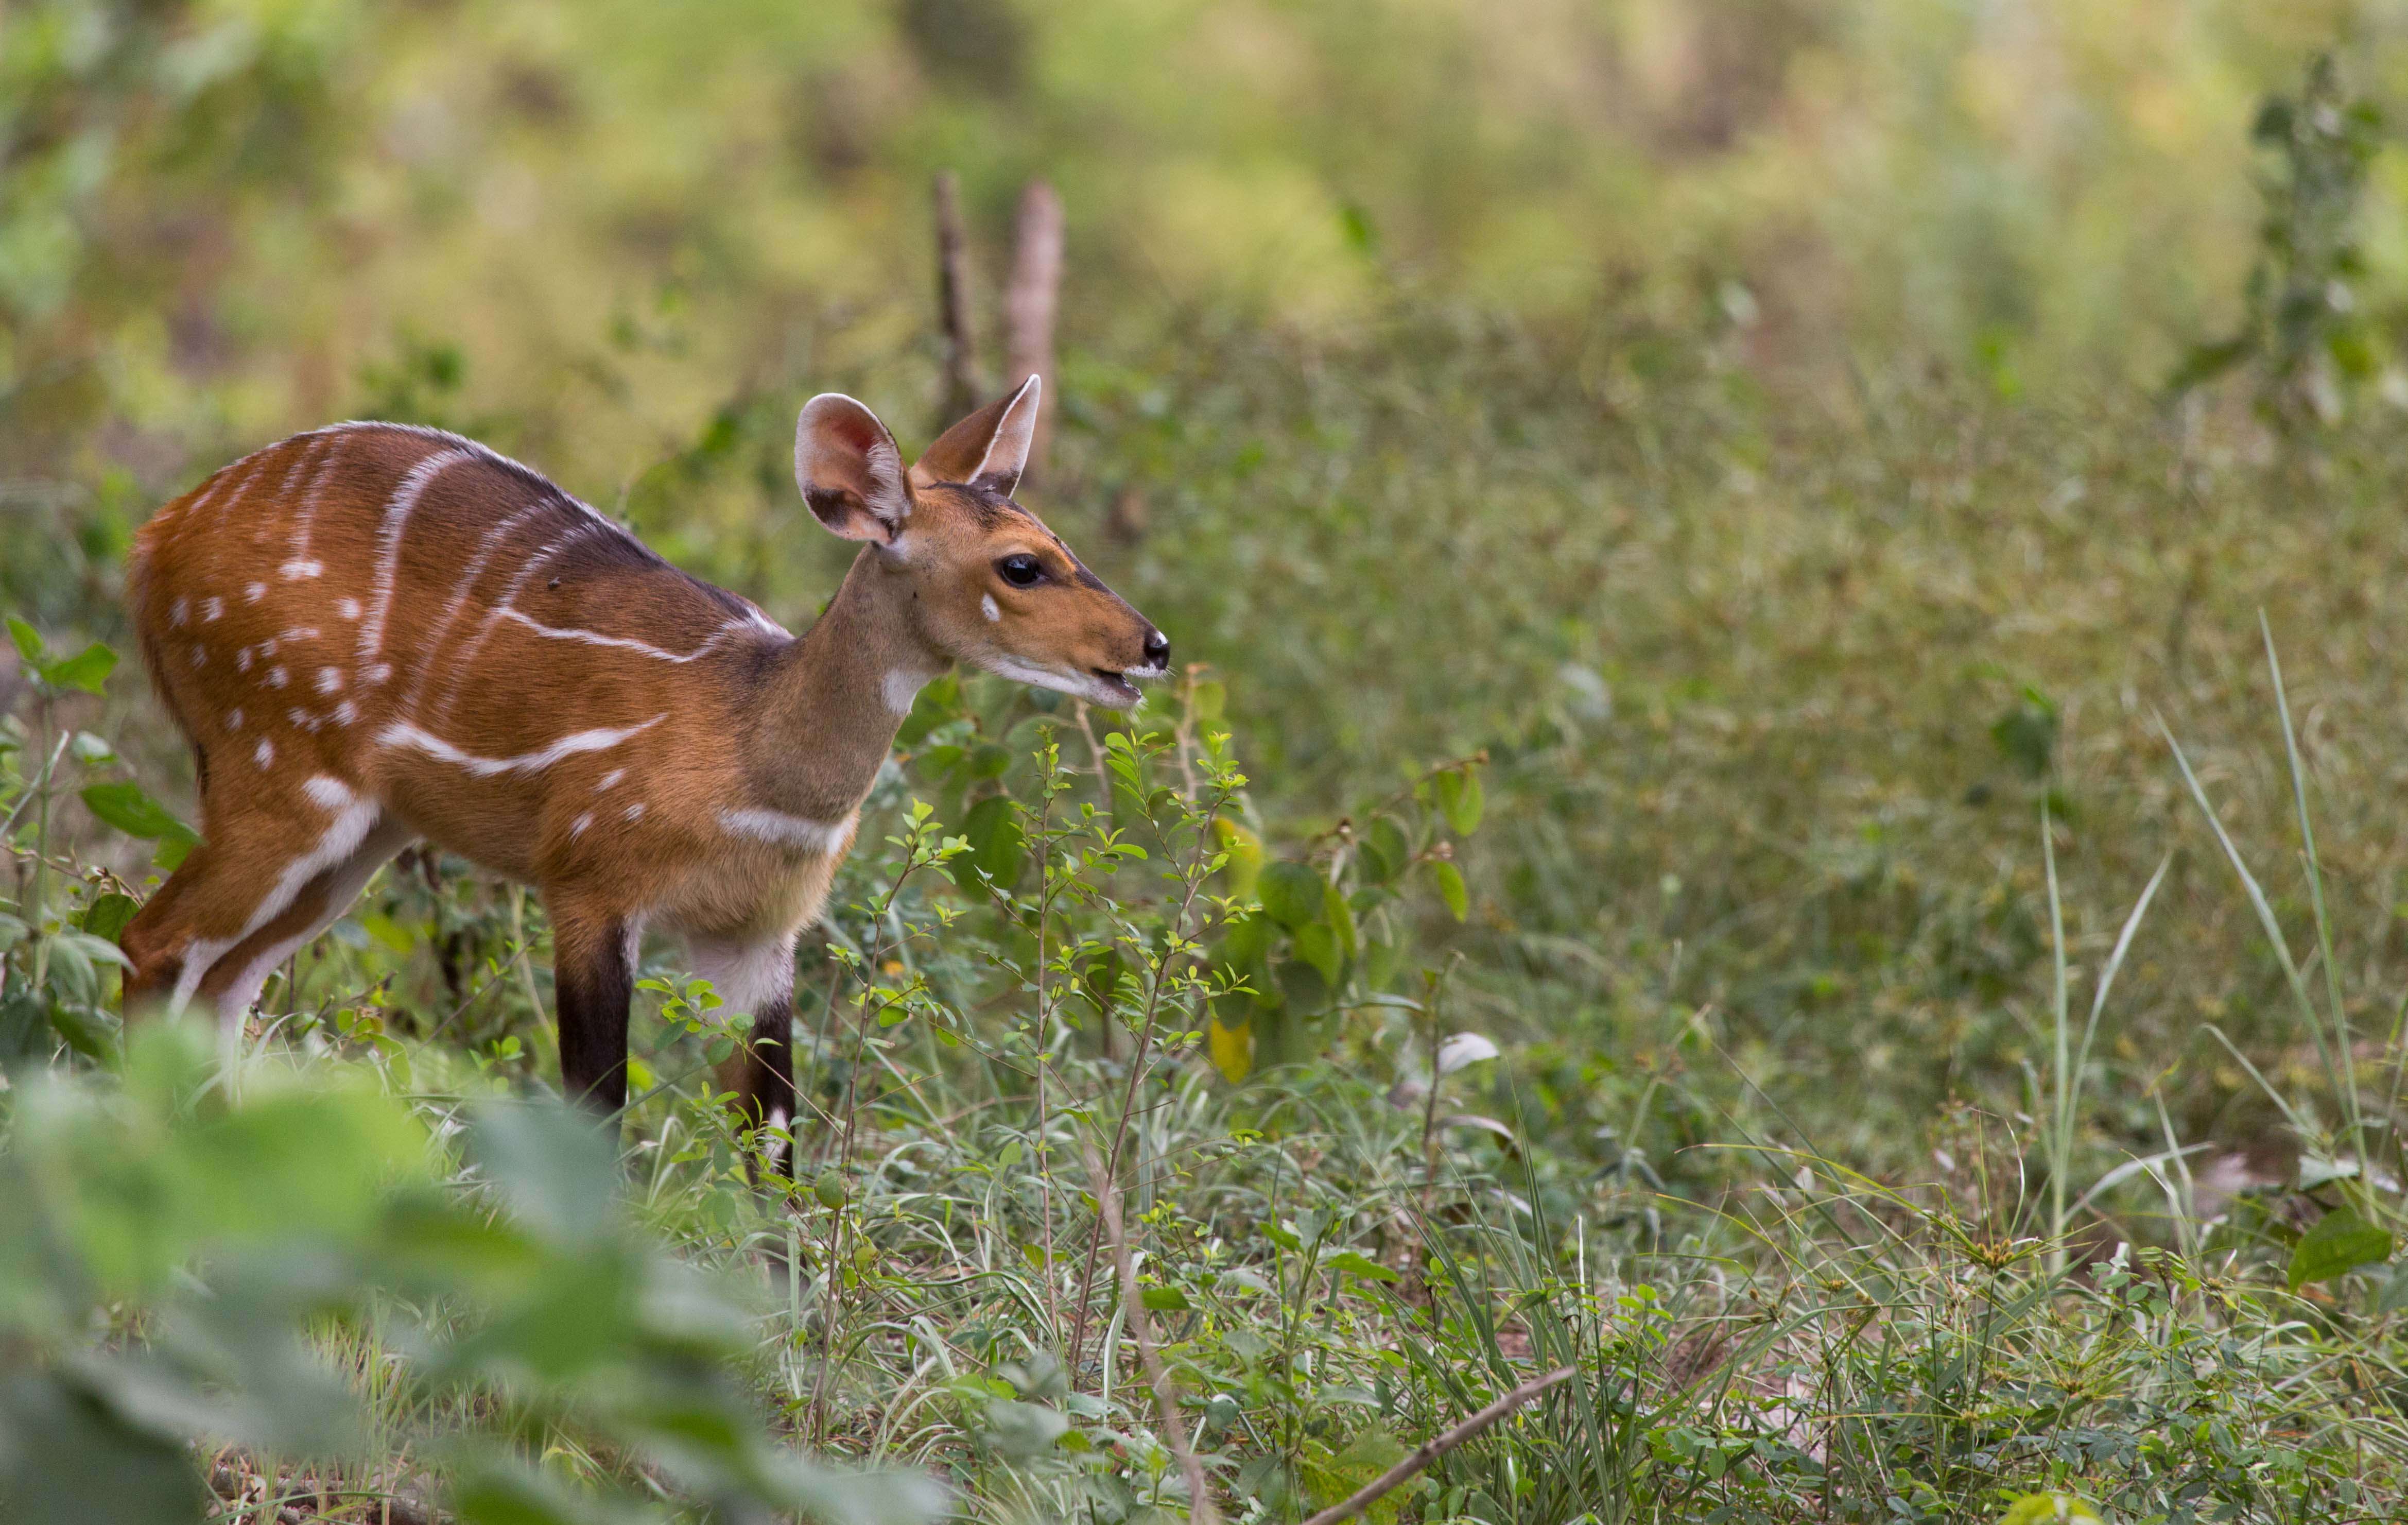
1115, 688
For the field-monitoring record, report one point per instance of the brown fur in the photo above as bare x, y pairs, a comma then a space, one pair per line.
373, 634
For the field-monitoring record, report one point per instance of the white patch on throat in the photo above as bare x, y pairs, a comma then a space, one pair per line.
902, 686
987, 607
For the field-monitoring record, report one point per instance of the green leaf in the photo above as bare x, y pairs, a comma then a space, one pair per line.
1291, 894
124, 806
1459, 799
1356, 1263
107, 916
1386, 852
1317, 945
1164, 1299
1339, 917
2340, 1243
998, 846
28, 640
2394, 1296
1449, 887
88, 669
2052, 1509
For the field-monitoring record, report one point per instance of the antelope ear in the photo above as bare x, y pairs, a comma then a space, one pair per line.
848, 470
988, 449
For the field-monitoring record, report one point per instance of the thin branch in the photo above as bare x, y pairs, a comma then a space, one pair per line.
1200, 1510
962, 387
1431, 1450
1029, 306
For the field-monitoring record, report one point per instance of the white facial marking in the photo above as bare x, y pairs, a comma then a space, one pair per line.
987, 607
577, 827
212, 609
253, 592
293, 571
348, 608
531, 762
787, 830
610, 778
178, 611
329, 679
328, 792
264, 754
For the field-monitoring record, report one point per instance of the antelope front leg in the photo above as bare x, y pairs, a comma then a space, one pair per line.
594, 979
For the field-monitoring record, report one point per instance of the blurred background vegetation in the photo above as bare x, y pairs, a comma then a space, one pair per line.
1791, 442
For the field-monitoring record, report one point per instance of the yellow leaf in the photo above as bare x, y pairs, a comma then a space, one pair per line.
1232, 1048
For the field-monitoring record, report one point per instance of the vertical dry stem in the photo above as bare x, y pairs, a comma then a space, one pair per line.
1029, 304
962, 388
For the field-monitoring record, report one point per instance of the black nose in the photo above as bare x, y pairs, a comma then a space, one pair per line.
1157, 650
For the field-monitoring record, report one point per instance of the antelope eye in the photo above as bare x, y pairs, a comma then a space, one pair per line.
1020, 571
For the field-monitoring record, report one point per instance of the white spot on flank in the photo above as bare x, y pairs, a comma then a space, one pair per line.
777, 826
531, 762
396, 515
329, 679
295, 571
242, 659
987, 606
348, 608
577, 827
610, 778
178, 611
267, 648
301, 632
328, 792
346, 712
253, 593
302, 720
234, 720
212, 609
382, 672
278, 677
265, 755
635, 813
199, 656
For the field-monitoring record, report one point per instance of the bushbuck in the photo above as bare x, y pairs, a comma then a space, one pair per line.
378, 633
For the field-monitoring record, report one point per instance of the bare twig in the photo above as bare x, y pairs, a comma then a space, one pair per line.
1200, 1510
962, 385
1431, 1450
1029, 306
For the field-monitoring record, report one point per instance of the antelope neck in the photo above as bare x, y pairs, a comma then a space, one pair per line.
823, 722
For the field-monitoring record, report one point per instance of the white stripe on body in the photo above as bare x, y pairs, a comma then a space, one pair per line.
529, 762
466, 660
486, 549
397, 518
786, 830
595, 637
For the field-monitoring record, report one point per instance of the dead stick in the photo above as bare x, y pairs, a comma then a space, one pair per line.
1165, 1392
1029, 304
953, 301
1431, 1450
